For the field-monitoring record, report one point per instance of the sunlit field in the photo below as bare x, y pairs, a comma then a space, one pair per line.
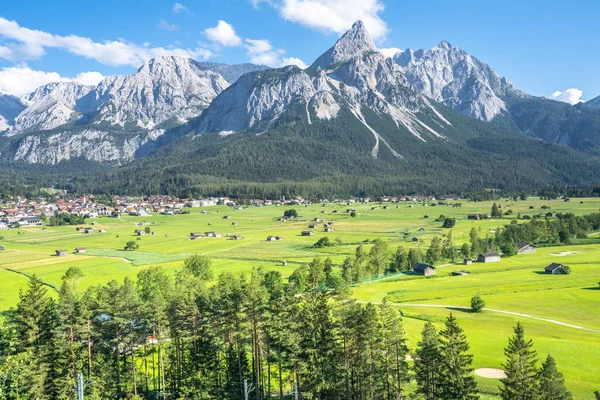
560, 312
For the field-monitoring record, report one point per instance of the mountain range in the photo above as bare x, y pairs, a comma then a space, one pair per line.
352, 112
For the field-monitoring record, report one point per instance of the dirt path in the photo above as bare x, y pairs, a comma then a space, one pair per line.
552, 321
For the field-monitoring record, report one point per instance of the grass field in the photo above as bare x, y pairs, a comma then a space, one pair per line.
514, 285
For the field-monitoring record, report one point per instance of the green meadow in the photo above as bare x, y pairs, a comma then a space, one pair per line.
560, 312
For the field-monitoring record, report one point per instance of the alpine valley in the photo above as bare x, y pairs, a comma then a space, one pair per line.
353, 122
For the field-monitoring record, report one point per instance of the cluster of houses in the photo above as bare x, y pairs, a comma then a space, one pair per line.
21, 212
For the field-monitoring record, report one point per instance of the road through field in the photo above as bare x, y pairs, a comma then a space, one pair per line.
552, 321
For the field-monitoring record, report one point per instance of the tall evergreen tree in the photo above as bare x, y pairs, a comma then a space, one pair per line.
457, 381
552, 382
521, 382
428, 363
31, 321
394, 367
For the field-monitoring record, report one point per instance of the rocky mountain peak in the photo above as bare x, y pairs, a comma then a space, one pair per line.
452, 76
445, 45
357, 41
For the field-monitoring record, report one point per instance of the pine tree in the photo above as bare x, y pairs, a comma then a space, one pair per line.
521, 382
428, 363
393, 354
32, 333
552, 382
496, 212
457, 380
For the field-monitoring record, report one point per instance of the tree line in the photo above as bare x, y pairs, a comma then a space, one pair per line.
163, 337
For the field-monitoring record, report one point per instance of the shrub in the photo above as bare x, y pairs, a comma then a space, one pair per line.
131, 245
566, 270
477, 303
323, 242
449, 223
290, 213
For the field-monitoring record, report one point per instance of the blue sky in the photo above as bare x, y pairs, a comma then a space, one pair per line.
541, 46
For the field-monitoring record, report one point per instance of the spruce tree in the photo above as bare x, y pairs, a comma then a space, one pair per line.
428, 363
393, 354
552, 382
32, 333
457, 380
521, 382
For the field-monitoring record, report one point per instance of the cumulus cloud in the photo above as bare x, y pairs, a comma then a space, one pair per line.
571, 96
293, 61
164, 25
224, 34
390, 51
178, 7
21, 79
332, 16
30, 44
261, 51
91, 78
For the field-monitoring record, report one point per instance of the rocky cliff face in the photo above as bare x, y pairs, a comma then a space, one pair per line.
453, 77
351, 75
66, 119
51, 106
163, 88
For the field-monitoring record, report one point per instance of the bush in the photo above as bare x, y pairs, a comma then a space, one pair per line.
323, 242
566, 270
449, 223
477, 303
131, 245
353, 214
291, 213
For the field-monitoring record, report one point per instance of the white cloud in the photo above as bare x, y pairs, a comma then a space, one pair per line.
164, 25
224, 34
390, 52
294, 61
30, 44
178, 7
21, 79
571, 96
91, 78
333, 16
262, 52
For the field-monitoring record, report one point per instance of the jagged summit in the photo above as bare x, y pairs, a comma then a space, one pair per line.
444, 44
356, 41
452, 76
